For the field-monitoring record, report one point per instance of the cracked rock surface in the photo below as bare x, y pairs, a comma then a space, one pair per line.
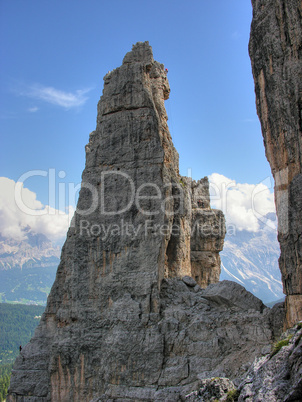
277, 376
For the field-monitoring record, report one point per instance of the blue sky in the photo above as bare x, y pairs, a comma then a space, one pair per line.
54, 56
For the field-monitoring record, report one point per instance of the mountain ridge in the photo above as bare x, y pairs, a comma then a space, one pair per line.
35, 249
251, 259
27, 267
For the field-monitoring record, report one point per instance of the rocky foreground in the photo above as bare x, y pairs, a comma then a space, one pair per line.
199, 334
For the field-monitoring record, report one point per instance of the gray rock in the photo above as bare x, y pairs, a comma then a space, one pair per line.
188, 280
213, 339
207, 239
232, 294
275, 51
277, 319
212, 389
120, 324
277, 376
193, 340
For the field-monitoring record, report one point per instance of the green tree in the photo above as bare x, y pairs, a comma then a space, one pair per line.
5, 372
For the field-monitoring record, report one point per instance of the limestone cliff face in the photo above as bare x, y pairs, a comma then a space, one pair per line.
125, 320
276, 54
207, 236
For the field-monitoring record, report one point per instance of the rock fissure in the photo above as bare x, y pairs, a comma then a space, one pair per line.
124, 109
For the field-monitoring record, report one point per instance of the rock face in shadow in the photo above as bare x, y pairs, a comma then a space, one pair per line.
276, 53
120, 323
277, 376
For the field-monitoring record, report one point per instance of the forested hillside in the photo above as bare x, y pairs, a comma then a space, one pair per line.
17, 325
5, 371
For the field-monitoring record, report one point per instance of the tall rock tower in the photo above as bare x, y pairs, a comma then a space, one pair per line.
132, 228
276, 54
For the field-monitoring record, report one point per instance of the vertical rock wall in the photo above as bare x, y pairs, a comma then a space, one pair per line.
207, 236
276, 53
132, 229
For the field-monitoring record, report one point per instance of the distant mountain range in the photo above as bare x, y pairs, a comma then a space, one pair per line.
27, 267
34, 250
251, 259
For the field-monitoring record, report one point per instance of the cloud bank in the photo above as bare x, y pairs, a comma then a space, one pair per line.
245, 205
51, 222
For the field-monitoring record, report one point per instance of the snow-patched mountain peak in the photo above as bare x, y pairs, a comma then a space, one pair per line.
34, 250
251, 259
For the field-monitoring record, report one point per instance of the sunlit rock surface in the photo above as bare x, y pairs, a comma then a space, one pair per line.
127, 318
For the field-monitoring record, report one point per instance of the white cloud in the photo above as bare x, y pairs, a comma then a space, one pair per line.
58, 97
51, 222
33, 109
244, 205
